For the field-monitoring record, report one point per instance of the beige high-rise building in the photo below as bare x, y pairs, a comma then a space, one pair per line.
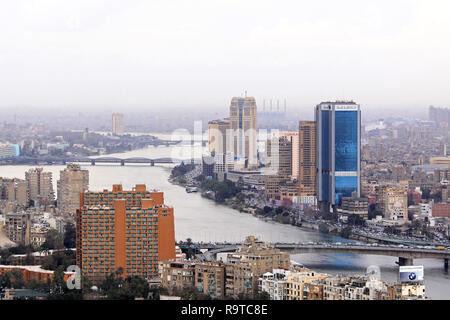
393, 202
220, 146
40, 186
72, 181
244, 130
293, 137
117, 124
217, 131
307, 158
284, 157
15, 190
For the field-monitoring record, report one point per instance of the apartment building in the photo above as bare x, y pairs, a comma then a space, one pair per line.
128, 229
40, 186
73, 181
307, 158
18, 227
14, 190
176, 274
210, 279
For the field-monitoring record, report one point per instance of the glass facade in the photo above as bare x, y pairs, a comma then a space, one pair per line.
346, 141
325, 154
344, 186
338, 125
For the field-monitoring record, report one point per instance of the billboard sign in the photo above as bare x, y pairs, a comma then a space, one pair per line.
411, 273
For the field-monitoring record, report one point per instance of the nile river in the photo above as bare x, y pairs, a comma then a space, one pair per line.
203, 220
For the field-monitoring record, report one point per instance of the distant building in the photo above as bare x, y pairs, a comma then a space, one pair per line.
279, 153
393, 202
243, 117
14, 190
40, 186
219, 132
272, 187
353, 205
18, 227
439, 115
307, 158
128, 229
261, 258
208, 166
117, 124
441, 161
441, 210
73, 181
9, 150
288, 285
31, 273
293, 138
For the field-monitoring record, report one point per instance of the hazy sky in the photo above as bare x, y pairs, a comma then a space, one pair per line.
201, 53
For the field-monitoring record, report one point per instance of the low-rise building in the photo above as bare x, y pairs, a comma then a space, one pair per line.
176, 274
210, 278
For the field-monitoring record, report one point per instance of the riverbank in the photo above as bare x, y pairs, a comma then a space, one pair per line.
265, 213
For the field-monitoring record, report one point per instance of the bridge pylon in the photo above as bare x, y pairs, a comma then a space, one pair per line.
405, 261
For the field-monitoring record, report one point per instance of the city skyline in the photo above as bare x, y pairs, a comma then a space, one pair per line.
224, 150
383, 54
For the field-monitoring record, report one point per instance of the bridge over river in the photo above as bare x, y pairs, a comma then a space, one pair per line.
406, 255
89, 160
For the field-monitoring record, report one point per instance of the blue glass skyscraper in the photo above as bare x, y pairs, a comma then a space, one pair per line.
338, 148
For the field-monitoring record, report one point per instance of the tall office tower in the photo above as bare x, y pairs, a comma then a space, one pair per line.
117, 124
72, 181
217, 131
220, 139
40, 186
244, 130
284, 157
131, 229
293, 137
307, 158
338, 151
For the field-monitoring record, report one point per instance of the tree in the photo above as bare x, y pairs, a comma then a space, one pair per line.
136, 287
267, 209
12, 279
61, 258
262, 296
53, 240
191, 293
70, 236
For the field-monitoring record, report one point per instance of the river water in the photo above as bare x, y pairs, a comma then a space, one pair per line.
203, 220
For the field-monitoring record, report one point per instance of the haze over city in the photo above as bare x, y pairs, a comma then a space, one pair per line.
103, 55
225, 150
